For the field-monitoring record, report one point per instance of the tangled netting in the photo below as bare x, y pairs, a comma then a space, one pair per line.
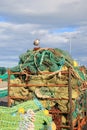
43, 72
33, 117
43, 59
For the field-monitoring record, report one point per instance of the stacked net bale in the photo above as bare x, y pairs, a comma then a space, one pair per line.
43, 71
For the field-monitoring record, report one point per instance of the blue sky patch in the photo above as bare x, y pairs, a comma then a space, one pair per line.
62, 30
2, 19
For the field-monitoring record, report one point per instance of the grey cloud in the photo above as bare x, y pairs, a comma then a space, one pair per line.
26, 20
22, 36
61, 13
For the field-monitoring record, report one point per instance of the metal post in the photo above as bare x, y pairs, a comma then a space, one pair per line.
8, 88
86, 102
70, 99
70, 44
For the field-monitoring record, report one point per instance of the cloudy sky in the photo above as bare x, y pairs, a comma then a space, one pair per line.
57, 23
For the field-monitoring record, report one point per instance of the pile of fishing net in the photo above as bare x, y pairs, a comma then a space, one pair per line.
47, 89
42, 69
43, 59
25, 116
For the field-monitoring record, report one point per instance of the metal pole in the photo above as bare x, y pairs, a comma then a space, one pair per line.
86, 102
70, 99
70, 44
8, 88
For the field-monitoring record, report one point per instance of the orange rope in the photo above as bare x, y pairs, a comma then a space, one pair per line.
81, 123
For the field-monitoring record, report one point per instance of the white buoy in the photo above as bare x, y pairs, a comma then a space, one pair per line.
36, 42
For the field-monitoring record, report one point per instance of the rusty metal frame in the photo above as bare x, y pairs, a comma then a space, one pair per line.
56, 113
